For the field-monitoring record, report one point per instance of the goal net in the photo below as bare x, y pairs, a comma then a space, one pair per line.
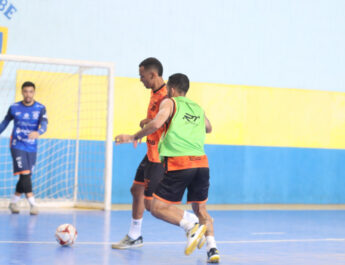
74, 156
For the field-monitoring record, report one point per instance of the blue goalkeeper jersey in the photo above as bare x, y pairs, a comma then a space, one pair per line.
26, 120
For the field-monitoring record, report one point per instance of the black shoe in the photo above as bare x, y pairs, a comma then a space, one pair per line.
128, 242
213, 256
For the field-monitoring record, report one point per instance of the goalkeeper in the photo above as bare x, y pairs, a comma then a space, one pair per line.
30, 121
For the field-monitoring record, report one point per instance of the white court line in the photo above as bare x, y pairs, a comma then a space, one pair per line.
268, 233
183, 242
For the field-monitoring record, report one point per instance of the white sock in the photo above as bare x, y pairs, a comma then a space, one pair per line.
186, 224
190, 216
15, 198
135, 228
31, 200
210, 242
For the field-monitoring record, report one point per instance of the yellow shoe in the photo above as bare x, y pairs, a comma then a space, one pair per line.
194, 235
202, 242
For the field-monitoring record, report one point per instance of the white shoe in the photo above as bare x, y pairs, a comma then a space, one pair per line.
128, 242
13, 207
33, 210
194, 235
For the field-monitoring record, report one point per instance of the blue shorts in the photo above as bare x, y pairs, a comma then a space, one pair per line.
23, 162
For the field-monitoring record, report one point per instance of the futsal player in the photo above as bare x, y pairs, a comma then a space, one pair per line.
30, 121
150, 170
186, 165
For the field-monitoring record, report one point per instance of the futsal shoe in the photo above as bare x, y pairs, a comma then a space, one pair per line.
13, 207
33, 210
194, 235
213, 256
128, 242
202, 242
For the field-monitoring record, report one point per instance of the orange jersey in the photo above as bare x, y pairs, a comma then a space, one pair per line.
152, 140
185, 162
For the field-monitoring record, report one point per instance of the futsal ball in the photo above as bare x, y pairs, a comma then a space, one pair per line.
66, 234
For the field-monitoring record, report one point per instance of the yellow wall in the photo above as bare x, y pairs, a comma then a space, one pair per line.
266, 116
240, 115
3, 48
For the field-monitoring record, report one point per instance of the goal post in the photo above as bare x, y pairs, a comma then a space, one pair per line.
74, 156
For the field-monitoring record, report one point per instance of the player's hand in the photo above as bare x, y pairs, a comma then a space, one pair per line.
136, 142
124, 138
33, 135
144, 122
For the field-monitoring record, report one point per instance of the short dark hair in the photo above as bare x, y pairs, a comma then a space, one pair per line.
179, 81
152, 63
28, 83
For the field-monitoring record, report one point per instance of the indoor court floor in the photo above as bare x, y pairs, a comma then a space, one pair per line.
289, 237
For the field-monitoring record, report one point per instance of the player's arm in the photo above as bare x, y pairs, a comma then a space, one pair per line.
208, 125
144, 122
43, 124
6, 121
164, 113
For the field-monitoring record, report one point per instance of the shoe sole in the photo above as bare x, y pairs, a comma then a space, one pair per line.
214, 259
114, 246
189, 250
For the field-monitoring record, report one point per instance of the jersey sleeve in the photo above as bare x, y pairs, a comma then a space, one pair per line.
6, 121
43, 122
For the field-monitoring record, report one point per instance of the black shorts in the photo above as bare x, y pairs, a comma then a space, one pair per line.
174, 184
23, 162
149, 174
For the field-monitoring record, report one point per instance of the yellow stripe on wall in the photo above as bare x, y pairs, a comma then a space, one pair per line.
3, 48
240, 115
266, 116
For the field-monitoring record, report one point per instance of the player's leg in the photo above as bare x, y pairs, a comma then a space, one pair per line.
171, 214
205, 218
169, 192
27, 180
138, 208
153, 174
197, 195
134, 237
17, 159
13, 206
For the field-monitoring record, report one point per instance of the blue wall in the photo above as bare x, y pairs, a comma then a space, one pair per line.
254, 174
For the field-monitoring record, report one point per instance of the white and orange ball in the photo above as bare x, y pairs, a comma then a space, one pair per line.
66, 234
